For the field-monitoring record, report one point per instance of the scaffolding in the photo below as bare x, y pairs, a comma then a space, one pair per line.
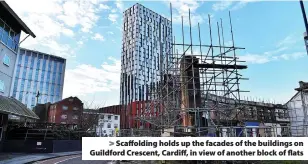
196, 87
199, 89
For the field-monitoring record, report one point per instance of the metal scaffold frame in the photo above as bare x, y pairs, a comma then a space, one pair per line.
196, 86
198, 92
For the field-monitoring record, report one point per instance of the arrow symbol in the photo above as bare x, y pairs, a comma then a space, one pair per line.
111, 143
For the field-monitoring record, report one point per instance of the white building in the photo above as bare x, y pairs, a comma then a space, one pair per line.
108, 125
297, 107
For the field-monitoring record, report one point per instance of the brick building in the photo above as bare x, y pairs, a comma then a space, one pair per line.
41, 110
130, 113
66, 111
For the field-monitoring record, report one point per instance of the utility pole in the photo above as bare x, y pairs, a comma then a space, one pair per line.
306, 24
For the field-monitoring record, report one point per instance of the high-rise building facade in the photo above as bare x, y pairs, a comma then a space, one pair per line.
147, 39
10, 28
38, 72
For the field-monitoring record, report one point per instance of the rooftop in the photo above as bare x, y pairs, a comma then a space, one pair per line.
6, 11
138, 4
9, 105
25, 49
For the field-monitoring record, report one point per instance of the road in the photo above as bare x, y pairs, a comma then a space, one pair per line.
73, 159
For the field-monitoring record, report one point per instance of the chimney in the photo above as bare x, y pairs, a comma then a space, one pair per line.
303, 86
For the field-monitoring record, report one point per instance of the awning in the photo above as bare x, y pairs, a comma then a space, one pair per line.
9, 105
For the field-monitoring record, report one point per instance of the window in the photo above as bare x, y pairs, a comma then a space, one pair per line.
64, 107
75, 117
101, 124
64, 116
101, 116
2, 87
115, 117
6, 60
115, 126
70, 100
109, 117
75, 108
1, 27
5, 34
109, 125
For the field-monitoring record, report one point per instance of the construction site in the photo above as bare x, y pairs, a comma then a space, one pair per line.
199, 92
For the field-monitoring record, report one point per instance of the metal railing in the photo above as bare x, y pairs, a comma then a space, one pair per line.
47, 134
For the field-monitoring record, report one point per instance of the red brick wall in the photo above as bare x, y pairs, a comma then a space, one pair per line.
56, 110
129, 112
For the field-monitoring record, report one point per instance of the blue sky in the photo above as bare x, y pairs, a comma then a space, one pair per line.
88, 34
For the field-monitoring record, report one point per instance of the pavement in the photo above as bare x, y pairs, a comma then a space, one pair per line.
30, 158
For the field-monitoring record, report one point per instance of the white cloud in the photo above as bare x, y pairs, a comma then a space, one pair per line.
234, 5
54, 19
80, 42
119, 5
255, 59
295, 55
222, 5
68, 32
98, 36
261, 59
110, 32
182, 7
104, 7
113, 17
114, 10
87, 79
287, 41
278, 54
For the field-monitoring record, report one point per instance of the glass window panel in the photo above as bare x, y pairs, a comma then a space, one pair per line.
32, 62
20, 96
16, 38
1, 27
26, 60
12, 34
10, 44
15, 47
5, 34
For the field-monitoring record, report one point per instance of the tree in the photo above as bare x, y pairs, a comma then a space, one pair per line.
90, 116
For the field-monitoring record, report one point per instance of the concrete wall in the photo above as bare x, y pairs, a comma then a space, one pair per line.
6, 72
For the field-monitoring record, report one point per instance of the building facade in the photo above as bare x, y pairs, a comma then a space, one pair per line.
108, 125
38, 72
147, 38
297, 107
66, 111
10, 30
41, 110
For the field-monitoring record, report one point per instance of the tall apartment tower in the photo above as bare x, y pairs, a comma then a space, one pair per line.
147, 39
38, 72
